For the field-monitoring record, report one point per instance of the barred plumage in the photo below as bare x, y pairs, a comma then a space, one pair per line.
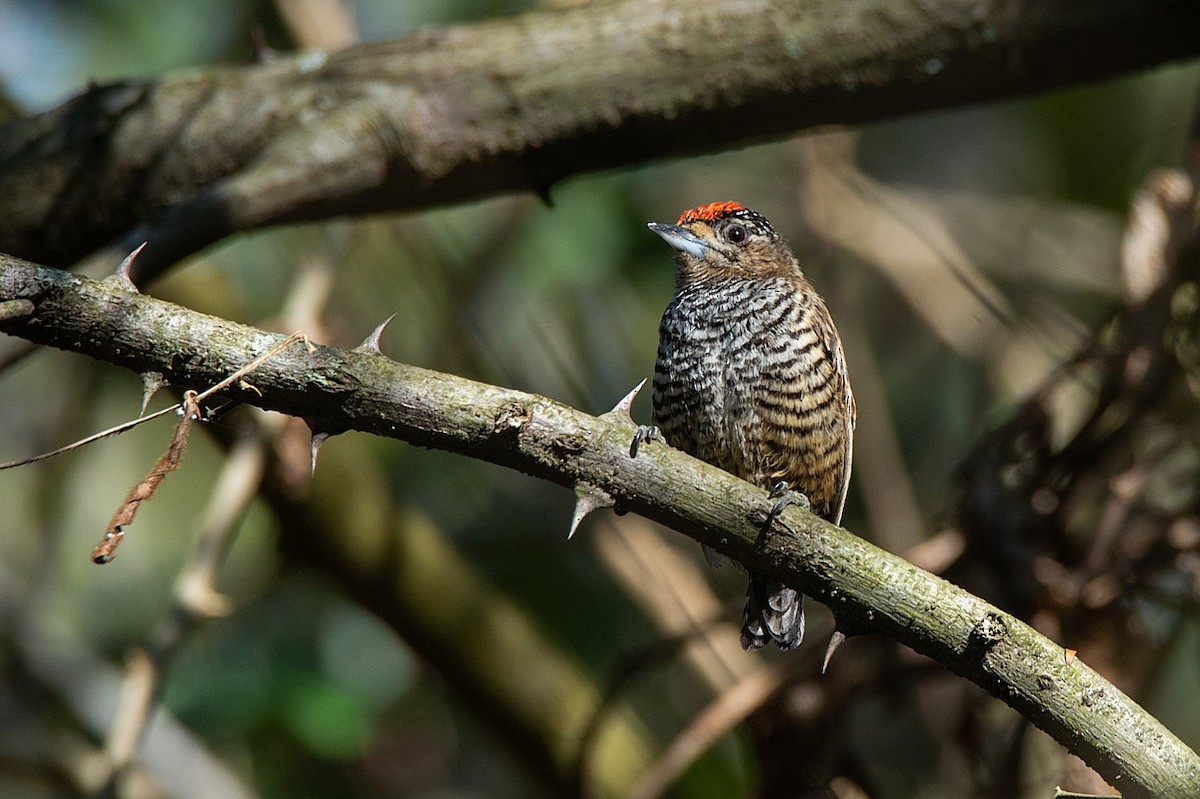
751, 377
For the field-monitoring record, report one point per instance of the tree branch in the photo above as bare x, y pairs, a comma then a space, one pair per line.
868, 590
518, 104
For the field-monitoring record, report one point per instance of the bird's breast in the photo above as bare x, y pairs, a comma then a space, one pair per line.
744, 380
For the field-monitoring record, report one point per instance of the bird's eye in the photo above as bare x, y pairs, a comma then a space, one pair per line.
736, 234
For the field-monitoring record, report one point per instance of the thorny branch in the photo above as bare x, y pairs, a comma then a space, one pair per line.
868, 590
168, 462
188, 410
196, 598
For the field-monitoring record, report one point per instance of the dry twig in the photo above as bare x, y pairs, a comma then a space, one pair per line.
169, 461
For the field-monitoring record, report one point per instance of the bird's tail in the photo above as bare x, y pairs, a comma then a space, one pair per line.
773, 613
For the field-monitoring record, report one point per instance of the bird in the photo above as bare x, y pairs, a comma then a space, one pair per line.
750, 376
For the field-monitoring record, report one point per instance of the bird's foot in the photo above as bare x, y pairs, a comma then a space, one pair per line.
784, 496
643, 435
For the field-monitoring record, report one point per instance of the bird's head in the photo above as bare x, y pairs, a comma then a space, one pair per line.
726, 239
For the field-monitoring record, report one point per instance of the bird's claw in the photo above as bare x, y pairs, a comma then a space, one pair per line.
784, 496
643, 434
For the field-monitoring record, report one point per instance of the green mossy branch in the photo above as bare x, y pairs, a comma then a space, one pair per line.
868, 590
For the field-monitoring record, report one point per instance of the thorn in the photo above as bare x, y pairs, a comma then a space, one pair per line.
371, 342
318, 440
837, 639
626, 403
587, 499
151, 383
122, 275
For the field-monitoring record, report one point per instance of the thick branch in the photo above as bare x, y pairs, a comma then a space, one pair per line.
867, 589
520, 103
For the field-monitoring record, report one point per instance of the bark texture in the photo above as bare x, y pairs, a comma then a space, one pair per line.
868, 590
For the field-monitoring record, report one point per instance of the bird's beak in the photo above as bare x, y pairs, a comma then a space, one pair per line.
681, 239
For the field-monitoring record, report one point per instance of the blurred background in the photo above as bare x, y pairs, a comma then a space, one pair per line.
972, 261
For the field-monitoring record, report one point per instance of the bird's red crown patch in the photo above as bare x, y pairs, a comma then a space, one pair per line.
715, 212
711, 212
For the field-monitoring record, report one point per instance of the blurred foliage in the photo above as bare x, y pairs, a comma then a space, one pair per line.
301, 692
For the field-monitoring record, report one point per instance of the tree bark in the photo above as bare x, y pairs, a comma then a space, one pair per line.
518, 104
868, 590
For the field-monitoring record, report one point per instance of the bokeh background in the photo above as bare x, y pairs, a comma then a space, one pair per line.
966, 255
